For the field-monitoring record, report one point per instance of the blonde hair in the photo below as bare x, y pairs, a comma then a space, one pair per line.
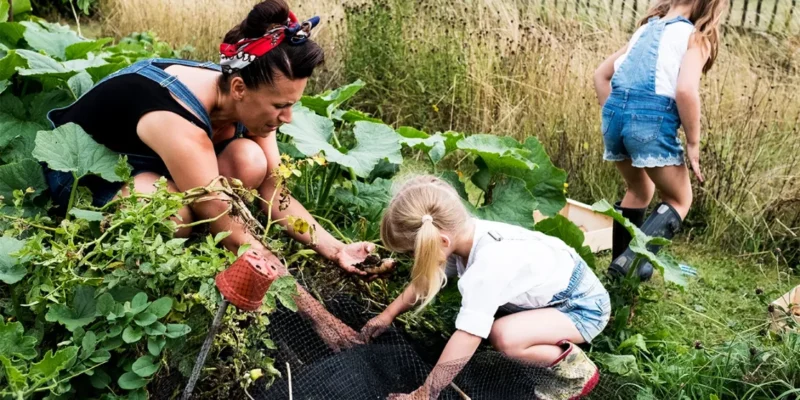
706, 16
423, 209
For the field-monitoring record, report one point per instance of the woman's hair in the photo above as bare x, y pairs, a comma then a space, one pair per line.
293, 61
706, 16
421, 211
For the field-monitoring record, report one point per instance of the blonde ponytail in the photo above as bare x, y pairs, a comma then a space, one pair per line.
427, 275
422, 210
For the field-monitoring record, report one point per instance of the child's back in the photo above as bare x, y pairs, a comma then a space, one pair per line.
656, 48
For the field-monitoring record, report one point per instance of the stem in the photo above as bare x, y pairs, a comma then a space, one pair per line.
333, 227
15, 301
209, 220
77, 18
24, 221
328, 185
65, 379
72, 192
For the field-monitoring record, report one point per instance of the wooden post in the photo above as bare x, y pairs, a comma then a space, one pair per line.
774, 13
730, 11
758, 12
744, 12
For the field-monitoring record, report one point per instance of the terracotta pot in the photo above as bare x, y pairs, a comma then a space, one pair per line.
246, 281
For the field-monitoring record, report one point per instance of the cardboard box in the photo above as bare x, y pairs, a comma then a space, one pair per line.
596, 227
785, 309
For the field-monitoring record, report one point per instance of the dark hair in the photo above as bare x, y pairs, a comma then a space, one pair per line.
292, 61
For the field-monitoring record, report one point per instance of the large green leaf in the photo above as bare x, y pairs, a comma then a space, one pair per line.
68, 148
41, 103
564, 229
42, 66
10, 63
80, 313
22, 6
81, 49
14, 120
52, 364
325, 103
5, 7
369, 199
669, 269
11, 33
511, 203
50, 38
11, 271
436, 146
452, 178
623, 365
499, 152
80, 84
312, 133
13, 342
21, 176
529, 162
145, 366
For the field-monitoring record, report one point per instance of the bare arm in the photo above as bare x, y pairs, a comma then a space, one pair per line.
603, 75
326, 245
401, 304
190, 159
687, 97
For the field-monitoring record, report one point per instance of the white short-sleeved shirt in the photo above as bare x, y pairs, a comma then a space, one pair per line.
524, 268
671, 49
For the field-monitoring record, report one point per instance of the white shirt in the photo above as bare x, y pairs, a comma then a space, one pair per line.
525, 269
671, 49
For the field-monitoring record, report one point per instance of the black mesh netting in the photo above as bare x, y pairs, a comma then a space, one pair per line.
391, 363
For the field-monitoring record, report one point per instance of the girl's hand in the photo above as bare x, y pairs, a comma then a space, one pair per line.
375, 327
352, 254
420, 394
337, 335
693, 152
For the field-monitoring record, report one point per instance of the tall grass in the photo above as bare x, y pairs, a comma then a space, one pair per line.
521, 68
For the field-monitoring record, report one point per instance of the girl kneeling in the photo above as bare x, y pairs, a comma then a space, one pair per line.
551, 296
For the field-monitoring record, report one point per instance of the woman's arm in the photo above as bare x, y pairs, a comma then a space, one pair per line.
687, 97
327, 245
603, 75
190, 159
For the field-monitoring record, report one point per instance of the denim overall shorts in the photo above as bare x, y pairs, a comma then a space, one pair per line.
60, 183
639, 124
585, 301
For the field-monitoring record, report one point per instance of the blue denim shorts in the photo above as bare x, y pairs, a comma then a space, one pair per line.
589, 306
586, 303
642, 127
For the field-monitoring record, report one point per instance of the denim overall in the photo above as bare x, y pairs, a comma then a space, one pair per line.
639, 124
103, 191
585, 301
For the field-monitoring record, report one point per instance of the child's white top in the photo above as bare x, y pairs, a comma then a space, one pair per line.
671, 49
525, 269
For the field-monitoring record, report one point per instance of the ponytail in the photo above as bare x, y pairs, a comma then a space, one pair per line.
427, 275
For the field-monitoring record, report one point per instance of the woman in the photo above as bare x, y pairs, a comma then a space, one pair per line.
192, 122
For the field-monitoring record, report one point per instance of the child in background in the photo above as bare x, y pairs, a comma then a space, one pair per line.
648, 89
554, 299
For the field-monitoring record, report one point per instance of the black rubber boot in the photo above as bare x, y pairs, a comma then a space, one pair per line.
663, 222
621, 238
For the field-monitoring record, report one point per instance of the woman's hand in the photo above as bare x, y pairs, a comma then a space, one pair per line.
420, 394
352, 254
375, 327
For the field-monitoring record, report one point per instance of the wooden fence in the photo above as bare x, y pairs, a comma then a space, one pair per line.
779, 16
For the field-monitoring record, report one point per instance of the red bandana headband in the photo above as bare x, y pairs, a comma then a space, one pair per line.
234, 57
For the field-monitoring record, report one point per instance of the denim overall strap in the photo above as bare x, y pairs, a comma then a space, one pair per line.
574, 281
638, 71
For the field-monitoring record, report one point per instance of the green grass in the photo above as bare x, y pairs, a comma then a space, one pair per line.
711, 337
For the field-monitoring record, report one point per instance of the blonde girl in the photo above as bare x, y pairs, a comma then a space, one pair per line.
552, 297
648, 89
